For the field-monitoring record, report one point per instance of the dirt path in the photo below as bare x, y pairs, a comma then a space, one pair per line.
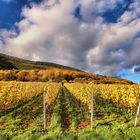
80, 110
65, 117
49, 112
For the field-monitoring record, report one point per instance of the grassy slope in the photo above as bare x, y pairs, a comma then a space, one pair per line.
69, 120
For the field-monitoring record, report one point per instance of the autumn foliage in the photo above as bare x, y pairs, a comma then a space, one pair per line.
57, 75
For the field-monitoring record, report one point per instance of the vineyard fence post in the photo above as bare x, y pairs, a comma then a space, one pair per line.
92, 109
44, 109
137, 114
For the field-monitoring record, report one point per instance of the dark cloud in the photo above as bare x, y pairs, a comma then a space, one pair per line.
137, 69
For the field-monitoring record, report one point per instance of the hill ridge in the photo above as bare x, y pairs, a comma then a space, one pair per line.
20, 63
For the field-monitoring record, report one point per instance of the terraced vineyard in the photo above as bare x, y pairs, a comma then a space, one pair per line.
68, 110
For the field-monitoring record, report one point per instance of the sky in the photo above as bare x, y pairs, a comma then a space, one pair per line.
97, 36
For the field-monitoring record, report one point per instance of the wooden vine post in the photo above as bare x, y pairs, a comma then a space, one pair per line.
44, 109
137, 114
92, 108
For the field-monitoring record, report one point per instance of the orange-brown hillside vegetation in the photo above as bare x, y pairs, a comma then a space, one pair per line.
58, 75
12, 68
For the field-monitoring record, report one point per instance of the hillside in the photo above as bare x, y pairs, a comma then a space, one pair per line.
10, 62
12, 68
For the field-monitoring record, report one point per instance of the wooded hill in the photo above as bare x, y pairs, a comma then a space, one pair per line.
12, 68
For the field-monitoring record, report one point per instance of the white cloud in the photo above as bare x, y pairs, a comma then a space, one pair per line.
116, 47
91, 8
50, 32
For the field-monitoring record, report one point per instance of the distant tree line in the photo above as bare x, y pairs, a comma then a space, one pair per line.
57, 75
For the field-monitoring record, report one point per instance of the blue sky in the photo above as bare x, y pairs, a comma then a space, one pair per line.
97, 36
10, 11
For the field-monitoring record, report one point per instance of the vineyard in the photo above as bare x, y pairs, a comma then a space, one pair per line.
120, 96
68, 111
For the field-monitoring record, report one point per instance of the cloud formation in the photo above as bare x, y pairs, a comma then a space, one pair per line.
51, 32
136, 69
